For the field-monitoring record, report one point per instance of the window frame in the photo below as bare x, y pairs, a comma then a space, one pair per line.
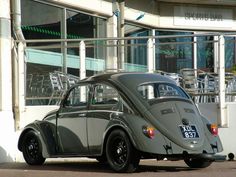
88, 95
122, 102
92, 105
183, 94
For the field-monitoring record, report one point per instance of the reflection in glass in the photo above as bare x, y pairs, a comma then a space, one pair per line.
172, 57
160, 90
41, 21
205, 53
230, 53
137, 51
45, 21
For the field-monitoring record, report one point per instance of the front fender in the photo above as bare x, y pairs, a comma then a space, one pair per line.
46, 137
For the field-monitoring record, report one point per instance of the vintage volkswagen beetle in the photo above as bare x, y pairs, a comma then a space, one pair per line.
122, 118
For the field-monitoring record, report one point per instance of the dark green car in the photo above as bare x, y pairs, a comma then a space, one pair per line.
121, 118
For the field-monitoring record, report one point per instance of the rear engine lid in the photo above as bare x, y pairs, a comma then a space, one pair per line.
179, 121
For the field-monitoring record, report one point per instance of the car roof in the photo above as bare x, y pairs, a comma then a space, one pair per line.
130, 78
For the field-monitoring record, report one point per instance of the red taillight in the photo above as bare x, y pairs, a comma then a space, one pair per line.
149, 131
214, 129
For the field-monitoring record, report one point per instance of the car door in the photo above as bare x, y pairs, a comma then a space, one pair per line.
104, 104
71, 122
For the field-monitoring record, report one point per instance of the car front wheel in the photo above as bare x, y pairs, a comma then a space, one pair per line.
121, 155
32, 149
197, 163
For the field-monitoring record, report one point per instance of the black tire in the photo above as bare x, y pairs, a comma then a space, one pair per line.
197, 163
120, 153
32, 149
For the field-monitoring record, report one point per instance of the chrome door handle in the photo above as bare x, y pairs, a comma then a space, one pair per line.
82, 115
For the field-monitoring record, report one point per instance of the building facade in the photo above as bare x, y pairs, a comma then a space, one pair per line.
42, 37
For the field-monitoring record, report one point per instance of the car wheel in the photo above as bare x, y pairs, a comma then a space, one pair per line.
32, 149
121, 155
197, 163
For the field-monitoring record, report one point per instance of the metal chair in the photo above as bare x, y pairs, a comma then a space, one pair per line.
57, 88
231, 89
191, 83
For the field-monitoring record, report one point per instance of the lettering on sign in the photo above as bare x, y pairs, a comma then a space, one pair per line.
203, 17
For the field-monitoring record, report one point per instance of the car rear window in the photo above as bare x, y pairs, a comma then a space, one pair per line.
160, 90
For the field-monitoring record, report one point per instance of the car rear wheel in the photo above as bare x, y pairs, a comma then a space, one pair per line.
32, 149
197, 163
121, 155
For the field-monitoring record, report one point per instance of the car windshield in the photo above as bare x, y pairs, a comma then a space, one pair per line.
160, 90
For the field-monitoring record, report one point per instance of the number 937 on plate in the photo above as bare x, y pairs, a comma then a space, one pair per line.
189, 131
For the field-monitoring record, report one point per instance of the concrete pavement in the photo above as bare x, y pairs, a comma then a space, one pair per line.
90, 168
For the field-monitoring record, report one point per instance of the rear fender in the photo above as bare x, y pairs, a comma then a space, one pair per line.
214, 141
133, 126
119, 124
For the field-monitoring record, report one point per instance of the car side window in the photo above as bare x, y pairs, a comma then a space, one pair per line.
105, 95
109, 98
78, 96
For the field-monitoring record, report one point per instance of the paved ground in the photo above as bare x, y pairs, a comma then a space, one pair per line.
88, 168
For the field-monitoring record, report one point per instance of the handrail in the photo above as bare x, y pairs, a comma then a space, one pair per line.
104, 42
121, 38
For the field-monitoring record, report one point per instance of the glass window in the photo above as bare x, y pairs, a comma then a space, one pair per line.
80, 25
105, 94
147, 91
137, 51
205, 53
159, 90
78, 96
175, 53
107, 97
230, 54
40, 21
45, 21
166, 90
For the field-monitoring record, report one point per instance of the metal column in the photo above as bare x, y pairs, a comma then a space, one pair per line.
150, 56
216, 57
195, 52
222, 113
111, 59
82, 69
121, 27
64, 43
82, 60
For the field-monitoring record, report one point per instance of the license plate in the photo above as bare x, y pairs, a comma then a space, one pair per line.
189, 131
